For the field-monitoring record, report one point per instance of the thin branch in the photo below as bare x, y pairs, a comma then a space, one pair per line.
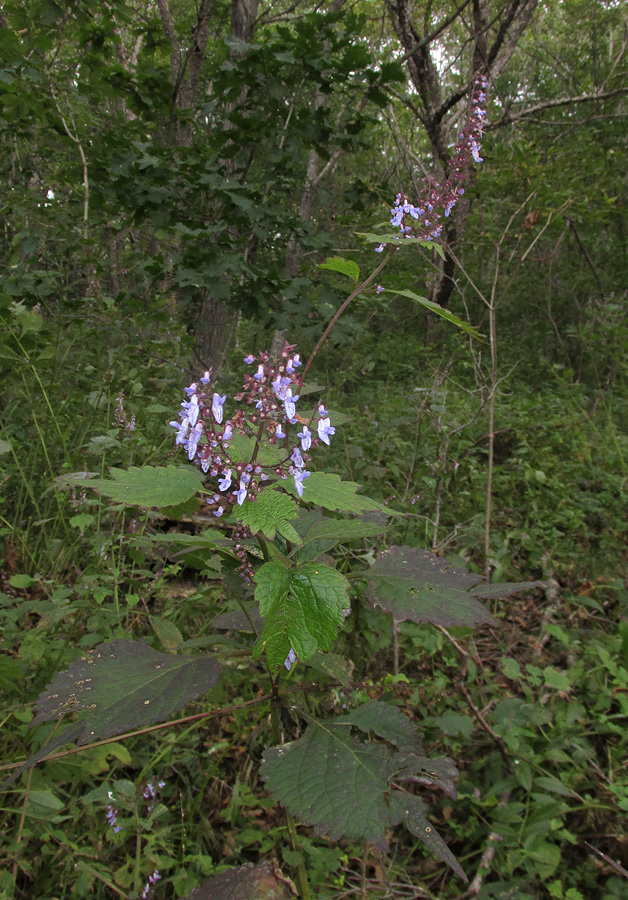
508, 119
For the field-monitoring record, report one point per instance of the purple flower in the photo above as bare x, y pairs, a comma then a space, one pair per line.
193, 439
240, 494
260, 372
299, 477
191, 389
325, 430
217, 403
218, 512
289, 406
380, 248
291, 658
379, 289
206, 376
296, 360
205, 464
225, 483
192, 409
297, 459
228, 432
280, 386
306, 438
249, 359
182, 429
279, 432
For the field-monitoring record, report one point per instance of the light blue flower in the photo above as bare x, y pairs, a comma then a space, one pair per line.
249, 359
325, 430
225, 483
306, 438
193, 439
299, 477
279, 432
192, 408
191, 389
182, 430
228, 432
260, 372
297, 459
241, 494
289, 404
217, 403
291, 658
206, 376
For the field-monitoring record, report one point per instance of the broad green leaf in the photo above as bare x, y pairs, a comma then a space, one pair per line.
344, 787
150, 486
270, 510
439, 311
122, 686
327, 490
169, 635
341, 530
345, 266
301, 607
387, 722
246, 882
337, 667
422, 587
43, 805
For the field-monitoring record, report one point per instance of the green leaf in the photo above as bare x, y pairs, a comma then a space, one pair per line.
497, 591
345, 266
5, 447
439, 311
422, 587
337, 667
169, 635
301, 607
43, 805
21, 582
246, 882
149, 486
344, 787
327, 490
336, 530
396, 241
267, 513
118, 687
387, 722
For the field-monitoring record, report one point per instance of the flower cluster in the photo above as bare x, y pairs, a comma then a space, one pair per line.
423, 219
148, 887
112, 816
265, 438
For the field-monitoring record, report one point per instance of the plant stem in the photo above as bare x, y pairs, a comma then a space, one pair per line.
336, 316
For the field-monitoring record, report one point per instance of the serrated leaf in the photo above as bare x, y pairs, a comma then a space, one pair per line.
344, 266
343, 787
327, 490
247, 882
438, 311
337, 530
149, 486
122, 686
387, 722
301, 607
270, 510
422, 587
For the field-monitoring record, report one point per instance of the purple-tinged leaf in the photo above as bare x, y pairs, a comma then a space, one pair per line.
497, 591
263, 881
419, 586
409, 809
123, 686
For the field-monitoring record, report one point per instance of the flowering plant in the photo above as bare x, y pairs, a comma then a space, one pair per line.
253, 455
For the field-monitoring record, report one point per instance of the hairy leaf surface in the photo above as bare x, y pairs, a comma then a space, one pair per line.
422, 587
345, 787
125, 685
327, 490
247, 882
149, 486
270, 512
301, 607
